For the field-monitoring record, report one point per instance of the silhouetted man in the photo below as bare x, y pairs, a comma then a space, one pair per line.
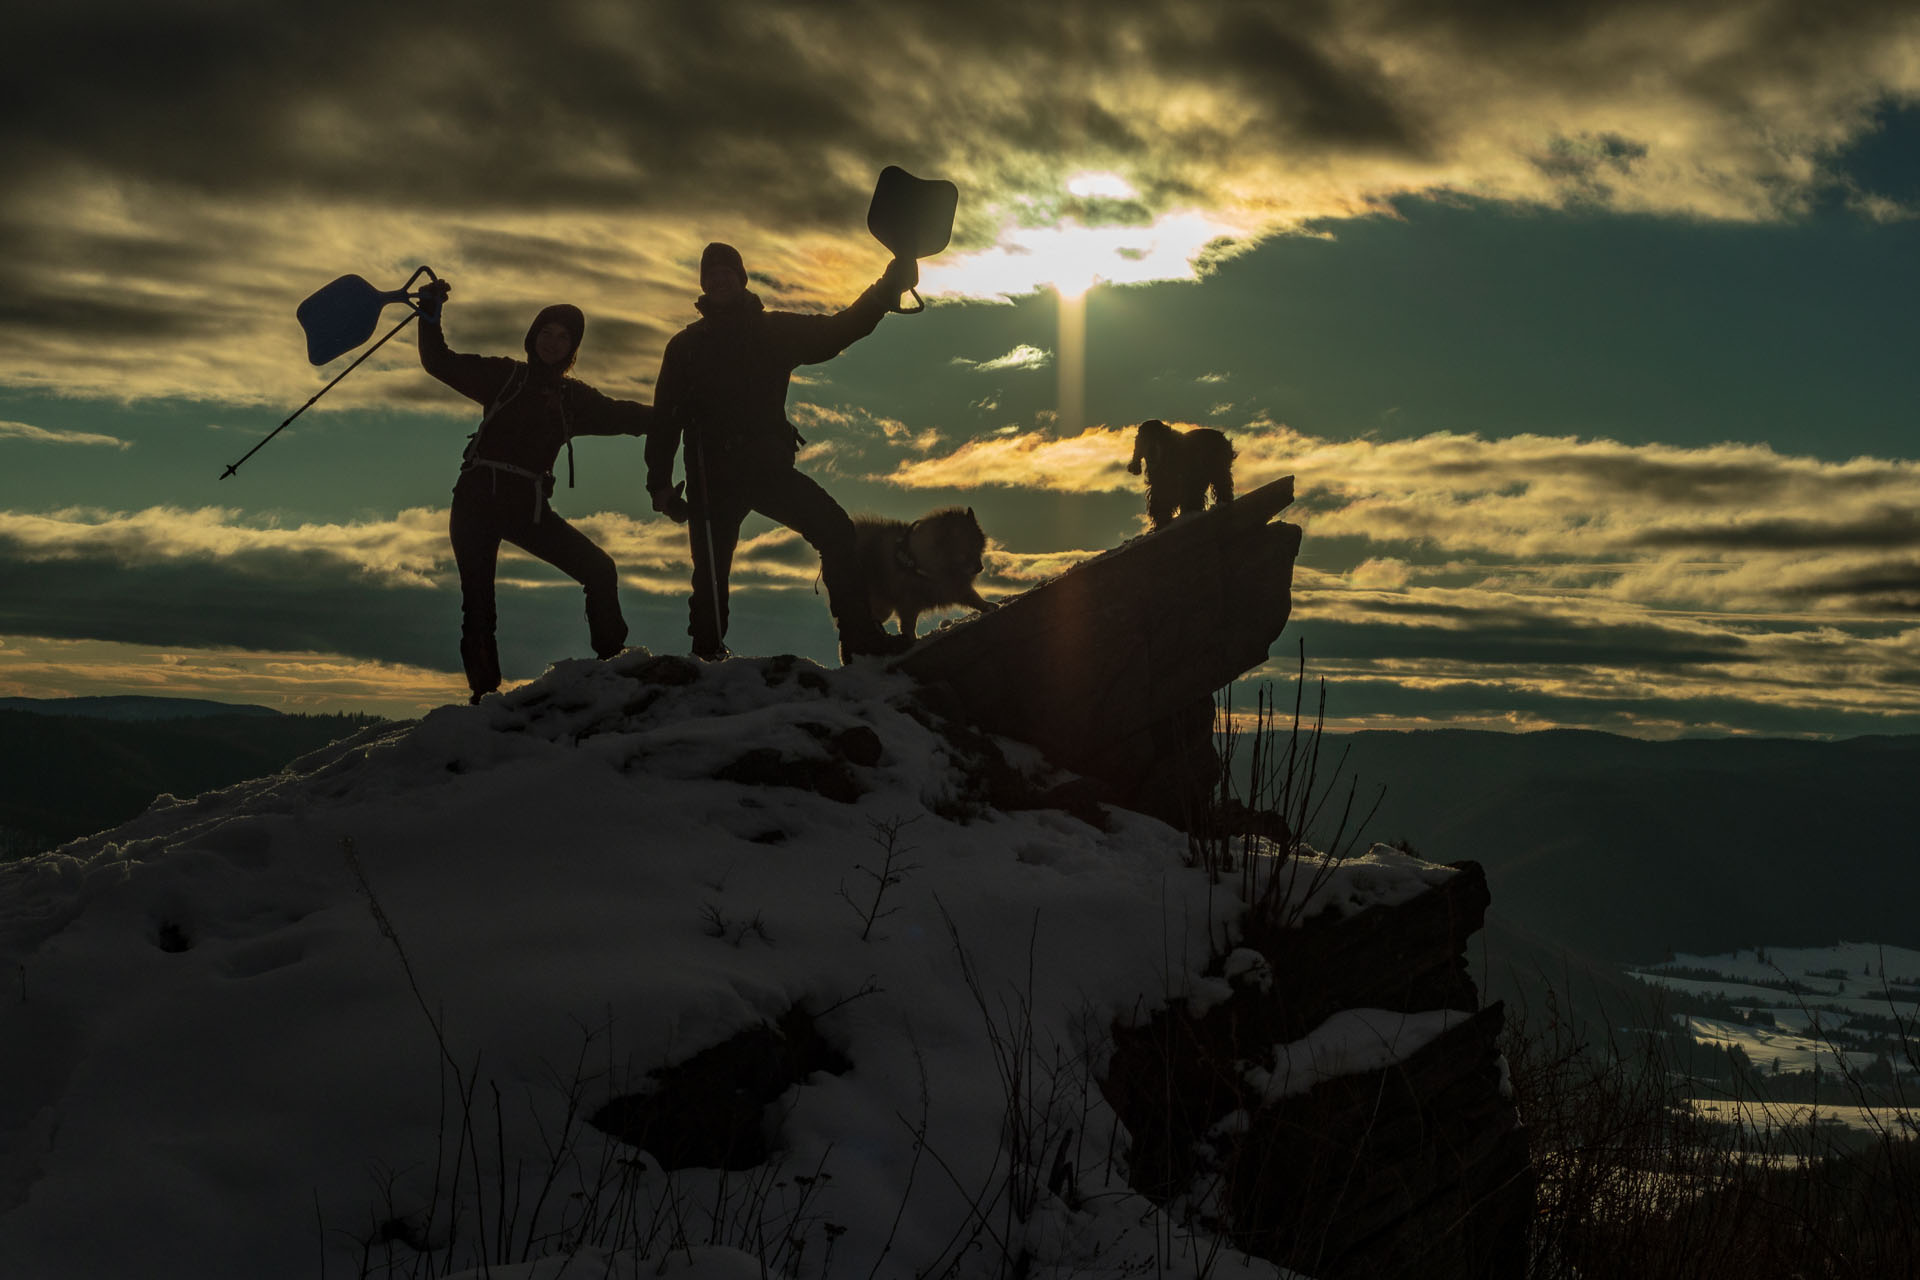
506, 474
723, 387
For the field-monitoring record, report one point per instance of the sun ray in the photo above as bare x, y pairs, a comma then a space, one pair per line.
1072, 400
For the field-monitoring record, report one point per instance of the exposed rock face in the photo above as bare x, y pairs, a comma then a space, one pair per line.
1419, 1167
1416, 1168
1111, 668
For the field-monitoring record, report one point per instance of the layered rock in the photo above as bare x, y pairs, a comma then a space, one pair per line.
1343, 1109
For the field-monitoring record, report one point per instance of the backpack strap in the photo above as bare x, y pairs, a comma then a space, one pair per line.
515, 383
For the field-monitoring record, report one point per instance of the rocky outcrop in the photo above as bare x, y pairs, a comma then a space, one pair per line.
1111, 668
1417, 1166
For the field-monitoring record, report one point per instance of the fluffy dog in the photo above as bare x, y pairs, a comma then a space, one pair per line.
1181, 467
929, 563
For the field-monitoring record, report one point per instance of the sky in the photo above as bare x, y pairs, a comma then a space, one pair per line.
231, 1011
1583, 328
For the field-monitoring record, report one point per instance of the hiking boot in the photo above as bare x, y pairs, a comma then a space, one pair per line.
719, 653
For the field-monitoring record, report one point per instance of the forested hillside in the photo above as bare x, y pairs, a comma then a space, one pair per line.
63, 776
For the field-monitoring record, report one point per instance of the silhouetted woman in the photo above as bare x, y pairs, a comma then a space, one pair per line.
506, 475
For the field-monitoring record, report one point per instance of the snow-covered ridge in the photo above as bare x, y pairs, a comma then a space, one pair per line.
228, 1034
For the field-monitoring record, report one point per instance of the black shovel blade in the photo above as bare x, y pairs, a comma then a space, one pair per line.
912, 216
340, 316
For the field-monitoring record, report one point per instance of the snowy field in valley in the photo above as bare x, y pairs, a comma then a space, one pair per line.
1833, 1009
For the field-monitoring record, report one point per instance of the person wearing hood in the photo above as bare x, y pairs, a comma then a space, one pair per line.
723, 390
506, 475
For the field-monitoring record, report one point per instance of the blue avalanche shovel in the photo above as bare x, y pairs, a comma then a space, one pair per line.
337, 318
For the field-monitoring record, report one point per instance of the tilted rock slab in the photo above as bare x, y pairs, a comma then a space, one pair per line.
1110, 668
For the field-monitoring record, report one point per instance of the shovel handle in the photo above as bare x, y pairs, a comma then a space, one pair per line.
919, 305
405, 291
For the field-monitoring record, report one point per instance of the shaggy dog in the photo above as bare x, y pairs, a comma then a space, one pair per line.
1181, 467
927, 564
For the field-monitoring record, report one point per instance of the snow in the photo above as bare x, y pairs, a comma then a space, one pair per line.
236, 1019
1383, 876
1836, 984
1867, 965
1772, 1049
1350, 1042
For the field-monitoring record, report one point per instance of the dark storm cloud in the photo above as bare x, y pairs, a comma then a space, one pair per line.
1509, 638
690, 107
1497, 703
384, 591
37, 305
1889, 588
143, 253
300, 601
283, 605
275, 136
480, 106
1882, 530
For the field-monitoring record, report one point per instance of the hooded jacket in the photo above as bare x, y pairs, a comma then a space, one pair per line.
726, 374
532, 408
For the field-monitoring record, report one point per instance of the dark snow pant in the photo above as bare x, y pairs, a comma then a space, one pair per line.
490, 507
795, 500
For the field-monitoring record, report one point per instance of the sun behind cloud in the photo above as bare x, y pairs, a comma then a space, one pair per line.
1063, 247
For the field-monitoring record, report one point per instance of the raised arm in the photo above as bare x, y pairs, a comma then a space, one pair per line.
812, 339
475, 377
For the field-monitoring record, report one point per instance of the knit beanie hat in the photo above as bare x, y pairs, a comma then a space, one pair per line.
717, 256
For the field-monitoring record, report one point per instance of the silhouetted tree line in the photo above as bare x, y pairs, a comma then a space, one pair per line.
67, 776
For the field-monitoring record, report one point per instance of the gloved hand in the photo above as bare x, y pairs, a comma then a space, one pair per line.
902, 274
432, 296
670, 504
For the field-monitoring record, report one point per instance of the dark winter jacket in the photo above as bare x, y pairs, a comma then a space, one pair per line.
726, 374
532, 409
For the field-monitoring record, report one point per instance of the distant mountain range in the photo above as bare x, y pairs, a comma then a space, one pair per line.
1616, 848
134, 707
1628, 850
72, 766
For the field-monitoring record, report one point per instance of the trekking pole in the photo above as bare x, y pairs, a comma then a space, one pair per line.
235, 466
362, 303
706, 523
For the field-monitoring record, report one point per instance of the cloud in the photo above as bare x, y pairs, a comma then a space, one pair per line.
205, 577
1024, 356
1095, 461
189, 173
291, 682
1602, 663
1379, 572
43, 435
1731, 525
408, 549
358, 614
1630, 583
